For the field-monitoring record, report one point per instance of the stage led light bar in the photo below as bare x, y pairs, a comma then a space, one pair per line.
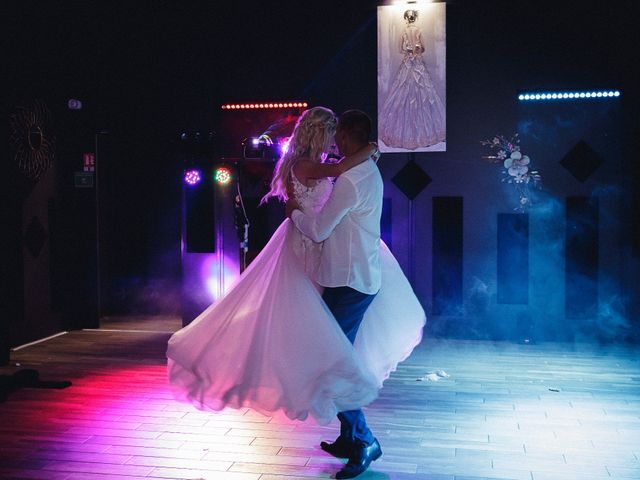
536, 97
262, 106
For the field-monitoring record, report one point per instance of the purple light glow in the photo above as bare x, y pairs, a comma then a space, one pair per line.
192, 177
218, 273
284, 145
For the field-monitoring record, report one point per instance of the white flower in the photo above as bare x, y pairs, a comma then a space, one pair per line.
518, 171
516, 162
516, 166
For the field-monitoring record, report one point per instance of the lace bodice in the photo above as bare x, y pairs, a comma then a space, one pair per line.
311, 200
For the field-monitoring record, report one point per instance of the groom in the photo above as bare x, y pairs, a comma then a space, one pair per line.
349, 225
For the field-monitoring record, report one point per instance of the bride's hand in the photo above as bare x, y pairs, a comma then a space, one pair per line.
375, 153
373, 149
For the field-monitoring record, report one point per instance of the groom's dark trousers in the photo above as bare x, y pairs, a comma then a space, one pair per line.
348, 306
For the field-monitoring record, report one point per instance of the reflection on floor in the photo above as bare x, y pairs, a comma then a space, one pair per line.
534, 412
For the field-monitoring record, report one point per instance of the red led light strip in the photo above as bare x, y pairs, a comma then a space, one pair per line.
246, 106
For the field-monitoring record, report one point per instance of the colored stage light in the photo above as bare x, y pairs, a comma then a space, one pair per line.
192, 177
568, 95
74, 104
284, 145
261, 147
222, 176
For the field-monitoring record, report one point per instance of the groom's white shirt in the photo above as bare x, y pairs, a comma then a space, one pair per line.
349, 225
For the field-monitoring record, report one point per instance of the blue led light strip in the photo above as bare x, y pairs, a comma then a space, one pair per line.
537, 97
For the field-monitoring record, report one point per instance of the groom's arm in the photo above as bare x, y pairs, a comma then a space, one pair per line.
318, 227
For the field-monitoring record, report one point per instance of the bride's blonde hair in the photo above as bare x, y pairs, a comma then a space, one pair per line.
309, 140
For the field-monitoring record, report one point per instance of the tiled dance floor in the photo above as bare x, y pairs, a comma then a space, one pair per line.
506, 411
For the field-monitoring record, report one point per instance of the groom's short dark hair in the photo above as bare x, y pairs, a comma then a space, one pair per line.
356, 124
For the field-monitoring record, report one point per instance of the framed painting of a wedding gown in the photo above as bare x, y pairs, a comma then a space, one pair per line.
412, 78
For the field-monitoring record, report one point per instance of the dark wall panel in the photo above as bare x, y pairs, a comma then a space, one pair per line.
513, 258
581, 257
447, 255
200, 217
386, 222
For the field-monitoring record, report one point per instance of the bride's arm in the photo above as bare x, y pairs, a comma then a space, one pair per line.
357, 158
310, 169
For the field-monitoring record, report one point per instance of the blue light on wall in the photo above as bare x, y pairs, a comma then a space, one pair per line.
546, 96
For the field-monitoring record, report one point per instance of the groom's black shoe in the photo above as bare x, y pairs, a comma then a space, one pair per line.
360, 459
341, 448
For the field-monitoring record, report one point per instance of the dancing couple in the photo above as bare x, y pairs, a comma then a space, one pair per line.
324, 314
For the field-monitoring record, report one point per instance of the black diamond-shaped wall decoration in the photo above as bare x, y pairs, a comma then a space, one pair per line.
581, 161
35, 237
411, 179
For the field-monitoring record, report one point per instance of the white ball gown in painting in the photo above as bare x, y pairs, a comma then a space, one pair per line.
413, 115
272, 344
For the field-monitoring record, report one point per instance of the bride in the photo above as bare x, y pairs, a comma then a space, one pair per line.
271, 343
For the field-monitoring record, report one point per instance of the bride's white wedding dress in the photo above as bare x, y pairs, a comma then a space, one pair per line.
272, 344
